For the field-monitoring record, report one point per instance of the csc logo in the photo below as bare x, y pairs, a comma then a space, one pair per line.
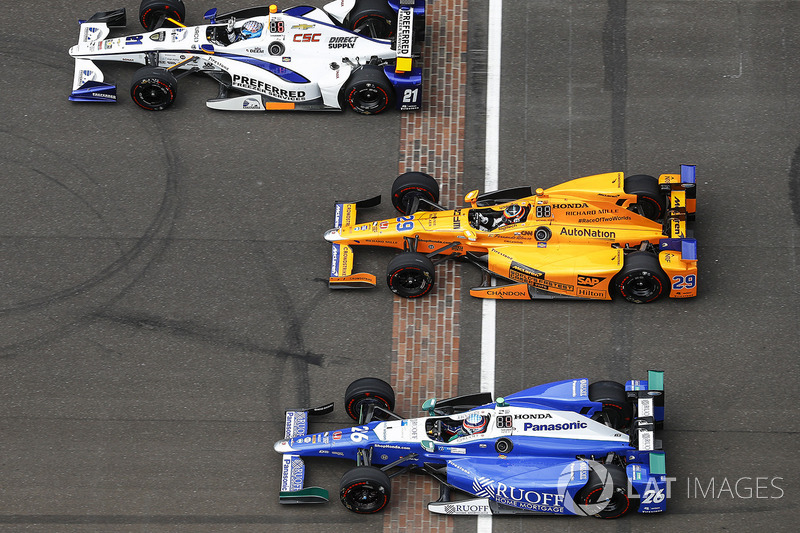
307, 37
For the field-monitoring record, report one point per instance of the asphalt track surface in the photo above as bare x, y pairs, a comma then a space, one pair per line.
164, 294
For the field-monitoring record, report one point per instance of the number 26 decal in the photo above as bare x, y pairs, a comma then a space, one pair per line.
684, 282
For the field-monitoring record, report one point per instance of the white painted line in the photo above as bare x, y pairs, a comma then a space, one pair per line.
492, 157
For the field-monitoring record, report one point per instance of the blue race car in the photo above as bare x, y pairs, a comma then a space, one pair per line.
568, 448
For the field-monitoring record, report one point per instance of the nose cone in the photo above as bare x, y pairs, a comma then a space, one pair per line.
282, 446
332, 235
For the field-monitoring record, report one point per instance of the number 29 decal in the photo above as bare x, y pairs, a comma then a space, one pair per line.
405, 223
684, 282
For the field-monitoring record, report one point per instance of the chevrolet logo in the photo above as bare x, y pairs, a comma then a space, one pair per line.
302, 26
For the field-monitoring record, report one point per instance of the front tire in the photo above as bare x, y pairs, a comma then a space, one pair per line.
641, 279
154, 88
365, 490
368, 92
410, 275
615, 402
153, 13
608, 497
372, 18
650, 203
365, 392
409, 185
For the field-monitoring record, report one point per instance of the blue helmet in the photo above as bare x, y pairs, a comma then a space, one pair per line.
251, 29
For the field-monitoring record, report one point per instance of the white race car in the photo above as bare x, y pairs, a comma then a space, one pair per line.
356, 53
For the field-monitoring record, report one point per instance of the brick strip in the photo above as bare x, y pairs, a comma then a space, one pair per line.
426, 331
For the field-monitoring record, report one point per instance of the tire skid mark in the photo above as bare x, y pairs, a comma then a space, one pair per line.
794, 185
162, 222
213, 336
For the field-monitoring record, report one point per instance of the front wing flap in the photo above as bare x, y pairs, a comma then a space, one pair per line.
342, 276
293, 469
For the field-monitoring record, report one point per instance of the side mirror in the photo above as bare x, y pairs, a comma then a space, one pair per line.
471, 235
207, 48
428, 446
211, 15
429, 406
472, 197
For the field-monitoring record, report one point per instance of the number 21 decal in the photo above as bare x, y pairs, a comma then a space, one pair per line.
410, 96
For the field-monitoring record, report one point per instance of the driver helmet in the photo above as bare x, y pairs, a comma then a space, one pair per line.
474, 423
513, 214
251, 28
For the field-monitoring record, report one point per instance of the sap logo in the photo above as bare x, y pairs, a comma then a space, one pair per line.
589, 281
307, 37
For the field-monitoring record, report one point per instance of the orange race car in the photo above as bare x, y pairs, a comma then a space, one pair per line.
588, 238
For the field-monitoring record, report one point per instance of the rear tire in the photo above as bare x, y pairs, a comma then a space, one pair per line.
154, 88
372, 18
151, 11
649, 200
367, 391
615, 402
368, 92
641, 279
410, 275
410, 185
606, 498
365, 489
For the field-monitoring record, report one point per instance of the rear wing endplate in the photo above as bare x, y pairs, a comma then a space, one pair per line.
649, 396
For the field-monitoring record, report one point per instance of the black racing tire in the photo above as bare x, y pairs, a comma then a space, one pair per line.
365, 489
154, 88
367, 391
368, 91
642, 280
602, 502
410, 185
410, 275
372, 18
649, 200
150, 12
615, 402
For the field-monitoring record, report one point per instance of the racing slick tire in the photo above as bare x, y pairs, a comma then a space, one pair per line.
649, 200
367, 391
410, 275
368, 91
151, 11
372, 18
409, 185
606, 497
154, 88
615, 402
641, 279
365, 489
